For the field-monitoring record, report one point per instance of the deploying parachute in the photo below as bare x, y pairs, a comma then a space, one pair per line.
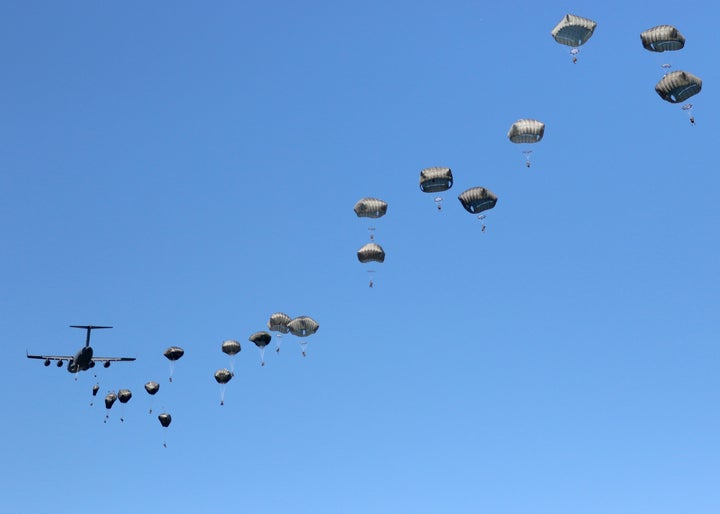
172, 354
476, 200
573, 31
436, 180
662, 38
109, 400
303, 326
526, 131
261, 340
222, 377
278, 323
95, 390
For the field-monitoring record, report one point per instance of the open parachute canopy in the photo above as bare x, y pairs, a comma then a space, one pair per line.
278, 323
526, 131
110, 399
174, 353
261, 339
303, 326
435, 180
573, 30
370, 208
477, 199
152, 387
223, 376
231, 347
165, 419
124, 395
662, 38
678, 86
371, 252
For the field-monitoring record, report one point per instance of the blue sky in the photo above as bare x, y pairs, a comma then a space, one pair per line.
182, 170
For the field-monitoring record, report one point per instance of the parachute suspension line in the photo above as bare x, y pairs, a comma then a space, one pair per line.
371, 273
481, 217
666, 68
278, 340
574, 52
527, 153
172, 369
222, 394
372, 233
303, 347
438, 202
262, 356
688, 109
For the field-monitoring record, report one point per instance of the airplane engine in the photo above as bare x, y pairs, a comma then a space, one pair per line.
47, 362
59, 364
106, 364
92, 364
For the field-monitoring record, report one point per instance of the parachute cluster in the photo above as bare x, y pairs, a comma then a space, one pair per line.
675, 86
573, 31
302, 327
124, 395
372, 208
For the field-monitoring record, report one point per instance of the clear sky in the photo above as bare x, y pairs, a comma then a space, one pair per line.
182, 170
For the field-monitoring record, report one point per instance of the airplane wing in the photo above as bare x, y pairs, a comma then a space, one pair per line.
51, 357
113, 359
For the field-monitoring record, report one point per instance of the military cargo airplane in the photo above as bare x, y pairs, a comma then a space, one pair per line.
83, 359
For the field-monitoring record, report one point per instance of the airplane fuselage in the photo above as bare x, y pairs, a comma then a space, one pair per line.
82, 360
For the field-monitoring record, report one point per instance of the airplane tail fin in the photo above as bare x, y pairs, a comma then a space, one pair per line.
88, 328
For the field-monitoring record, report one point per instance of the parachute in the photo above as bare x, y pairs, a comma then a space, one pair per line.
278, 323
222, 377
573, 31
436, 180
662, 38
172, 354
371, 252
476, 200
95, 390
152, 388
124, 396
165, 419
232, 348
370, 208
109, 400
303, 326
261, 340
526, 131
678, 86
